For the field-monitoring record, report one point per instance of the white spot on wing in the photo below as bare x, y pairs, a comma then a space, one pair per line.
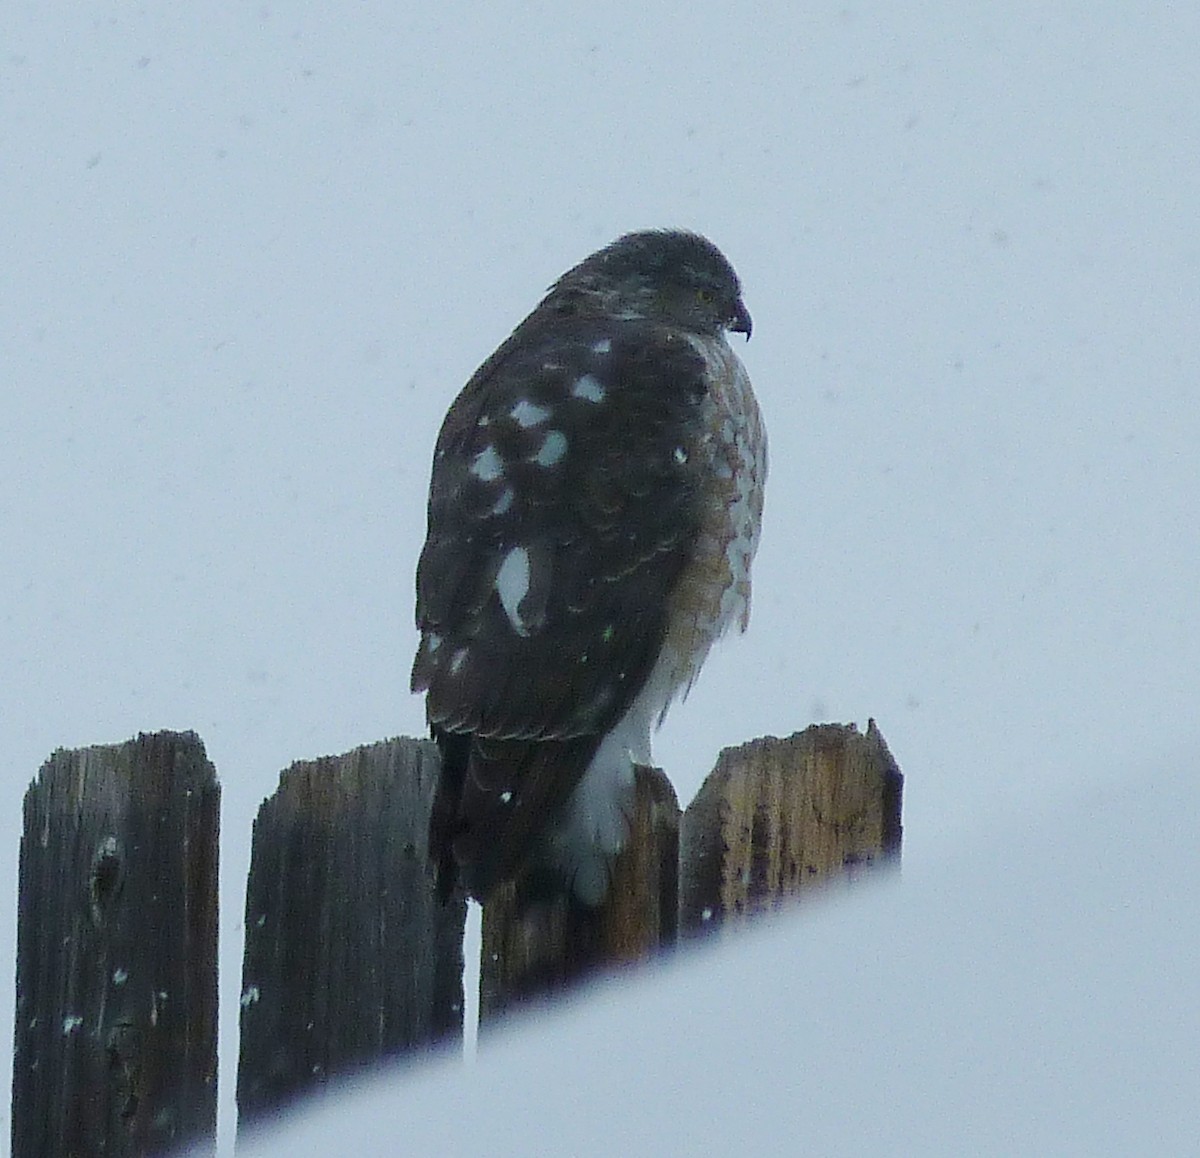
602, 346
512, 585
457, 660
588, 387
488, 466
553, 447
504, 502
526, 414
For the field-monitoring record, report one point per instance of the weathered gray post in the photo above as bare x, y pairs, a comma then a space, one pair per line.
350, 958
116, 1021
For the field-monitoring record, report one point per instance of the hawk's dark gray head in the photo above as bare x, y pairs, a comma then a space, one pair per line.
665, 275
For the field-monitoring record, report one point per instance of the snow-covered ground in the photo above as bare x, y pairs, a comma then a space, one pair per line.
251, 252
1039, 995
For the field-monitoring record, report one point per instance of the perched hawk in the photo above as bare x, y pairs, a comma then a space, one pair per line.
594, 508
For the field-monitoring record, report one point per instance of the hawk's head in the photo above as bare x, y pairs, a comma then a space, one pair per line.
663, 275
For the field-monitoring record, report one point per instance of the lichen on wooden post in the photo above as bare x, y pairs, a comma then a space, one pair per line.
116, 1015
532, 952
777, 817
350, 958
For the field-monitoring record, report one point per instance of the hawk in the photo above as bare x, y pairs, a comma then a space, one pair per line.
594, 509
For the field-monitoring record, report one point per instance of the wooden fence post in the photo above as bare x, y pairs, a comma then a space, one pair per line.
554, 945
116, 1015
350, 957
778, 816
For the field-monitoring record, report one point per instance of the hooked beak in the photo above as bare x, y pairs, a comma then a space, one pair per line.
740, 323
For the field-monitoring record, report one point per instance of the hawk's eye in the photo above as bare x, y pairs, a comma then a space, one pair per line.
705, 297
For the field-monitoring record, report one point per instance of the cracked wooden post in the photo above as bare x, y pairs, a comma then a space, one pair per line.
350, 958
116, 1013
777, 817
555, 944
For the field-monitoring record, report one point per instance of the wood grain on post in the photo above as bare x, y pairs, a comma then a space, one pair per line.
116, 1015
350, 958
779, 816
554, 944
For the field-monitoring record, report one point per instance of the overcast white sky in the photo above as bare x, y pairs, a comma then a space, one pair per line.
250, 254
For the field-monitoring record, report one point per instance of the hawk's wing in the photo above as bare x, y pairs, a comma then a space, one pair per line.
562, 508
